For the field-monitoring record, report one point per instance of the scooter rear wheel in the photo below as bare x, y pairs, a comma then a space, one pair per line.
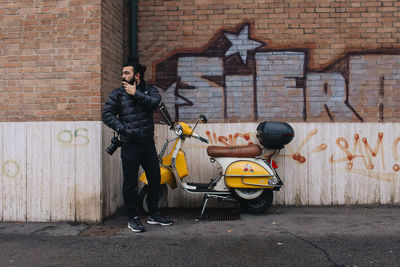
259, 204
143, 197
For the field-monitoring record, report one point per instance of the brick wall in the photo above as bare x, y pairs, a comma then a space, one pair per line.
329, 60
314, 61
114, 50
50, 55
114, 43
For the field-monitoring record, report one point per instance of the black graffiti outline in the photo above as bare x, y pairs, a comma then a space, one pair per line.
187, 102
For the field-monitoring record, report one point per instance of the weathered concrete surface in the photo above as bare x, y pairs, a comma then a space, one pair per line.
286, 236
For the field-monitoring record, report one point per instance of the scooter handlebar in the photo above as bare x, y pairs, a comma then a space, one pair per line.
202, 139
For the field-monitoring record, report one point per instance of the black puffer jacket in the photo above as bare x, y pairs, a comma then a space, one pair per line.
132, 116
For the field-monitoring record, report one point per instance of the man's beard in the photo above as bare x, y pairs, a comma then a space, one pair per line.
130, 81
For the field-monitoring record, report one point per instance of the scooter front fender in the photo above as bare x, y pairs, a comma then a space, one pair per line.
167, 177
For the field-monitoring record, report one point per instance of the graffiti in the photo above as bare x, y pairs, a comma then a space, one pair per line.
230, 140
357, 155
10, 168
319, 148
381, 95
365, 154
359, 149
297, 156
396, 167
355, 152
395, 153
74, 138
241, 44
237, 78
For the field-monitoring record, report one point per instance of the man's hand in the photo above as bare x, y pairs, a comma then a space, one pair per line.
129, 88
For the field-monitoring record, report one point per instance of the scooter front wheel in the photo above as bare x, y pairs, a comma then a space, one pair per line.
259, 204
143, 197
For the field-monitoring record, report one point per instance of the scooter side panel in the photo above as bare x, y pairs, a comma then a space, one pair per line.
241, 174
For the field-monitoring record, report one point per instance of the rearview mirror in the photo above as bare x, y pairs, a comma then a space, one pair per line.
203, 118
164, 112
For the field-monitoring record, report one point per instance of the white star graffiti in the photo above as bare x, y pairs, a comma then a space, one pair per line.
241, 43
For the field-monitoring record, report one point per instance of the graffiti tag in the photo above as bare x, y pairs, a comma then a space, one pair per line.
230, 140
74, 138
10, 168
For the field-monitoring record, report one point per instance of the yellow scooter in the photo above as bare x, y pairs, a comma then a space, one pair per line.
246, 176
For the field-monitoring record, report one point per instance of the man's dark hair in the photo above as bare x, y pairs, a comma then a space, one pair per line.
137, 68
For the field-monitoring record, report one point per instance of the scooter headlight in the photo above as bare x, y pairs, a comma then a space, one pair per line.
178, 129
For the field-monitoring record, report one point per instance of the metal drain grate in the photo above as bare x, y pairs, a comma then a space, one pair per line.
210, 214
101, 230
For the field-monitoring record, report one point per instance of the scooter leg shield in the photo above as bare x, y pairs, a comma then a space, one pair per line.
167, 177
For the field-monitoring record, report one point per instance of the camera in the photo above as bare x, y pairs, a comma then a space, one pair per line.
115, 143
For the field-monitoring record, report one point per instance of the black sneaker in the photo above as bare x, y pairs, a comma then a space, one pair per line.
158, 219
135, 225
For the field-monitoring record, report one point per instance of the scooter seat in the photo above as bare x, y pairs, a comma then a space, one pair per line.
249, 151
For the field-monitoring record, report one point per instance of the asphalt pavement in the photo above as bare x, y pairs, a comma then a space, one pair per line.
284, 236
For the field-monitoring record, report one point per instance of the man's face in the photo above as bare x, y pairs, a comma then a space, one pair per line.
127, 74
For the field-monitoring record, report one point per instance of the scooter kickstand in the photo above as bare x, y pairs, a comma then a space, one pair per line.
205, 201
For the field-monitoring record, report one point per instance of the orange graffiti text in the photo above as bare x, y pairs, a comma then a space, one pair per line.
298, 157
230, 140
356, 151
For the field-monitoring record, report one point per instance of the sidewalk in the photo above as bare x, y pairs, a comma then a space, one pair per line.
351, 220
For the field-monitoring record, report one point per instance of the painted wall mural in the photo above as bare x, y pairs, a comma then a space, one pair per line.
236, 78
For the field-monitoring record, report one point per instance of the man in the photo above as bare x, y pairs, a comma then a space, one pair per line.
129, 111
